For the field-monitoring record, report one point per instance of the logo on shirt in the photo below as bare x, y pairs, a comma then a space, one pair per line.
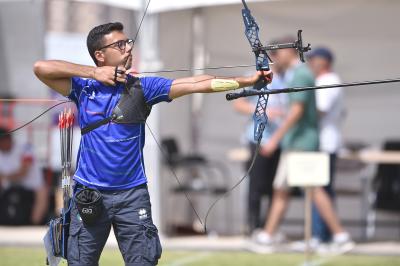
93, 95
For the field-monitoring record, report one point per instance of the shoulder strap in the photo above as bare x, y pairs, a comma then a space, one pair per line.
95, 125
131, 107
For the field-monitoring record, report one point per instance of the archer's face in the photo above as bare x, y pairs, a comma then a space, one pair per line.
114, 55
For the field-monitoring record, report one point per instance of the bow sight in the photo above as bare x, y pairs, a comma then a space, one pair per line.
298, 45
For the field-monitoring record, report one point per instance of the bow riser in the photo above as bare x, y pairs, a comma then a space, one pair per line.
262, 64
260, 117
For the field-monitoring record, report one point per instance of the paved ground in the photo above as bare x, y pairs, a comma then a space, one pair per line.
32, 236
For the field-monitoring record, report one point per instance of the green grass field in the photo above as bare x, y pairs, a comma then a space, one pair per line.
35, 256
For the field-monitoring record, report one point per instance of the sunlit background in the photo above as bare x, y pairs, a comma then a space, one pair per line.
189, 35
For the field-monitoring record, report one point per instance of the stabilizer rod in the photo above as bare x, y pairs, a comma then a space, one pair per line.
252, 92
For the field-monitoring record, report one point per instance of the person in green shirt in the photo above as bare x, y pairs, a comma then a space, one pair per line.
303, 135
297, 132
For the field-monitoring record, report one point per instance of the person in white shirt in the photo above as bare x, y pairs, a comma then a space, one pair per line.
330, 108
19, 169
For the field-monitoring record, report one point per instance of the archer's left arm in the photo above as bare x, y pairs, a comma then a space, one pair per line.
209, 84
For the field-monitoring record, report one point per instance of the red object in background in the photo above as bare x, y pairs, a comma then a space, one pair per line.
7, 114
27, 159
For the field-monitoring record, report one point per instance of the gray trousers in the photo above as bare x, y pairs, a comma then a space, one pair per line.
129, 213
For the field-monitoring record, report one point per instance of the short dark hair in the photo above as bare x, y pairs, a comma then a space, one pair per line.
95, 37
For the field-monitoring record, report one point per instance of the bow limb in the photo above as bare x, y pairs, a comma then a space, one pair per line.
262, 64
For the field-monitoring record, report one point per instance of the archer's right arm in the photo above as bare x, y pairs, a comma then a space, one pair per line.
57, 74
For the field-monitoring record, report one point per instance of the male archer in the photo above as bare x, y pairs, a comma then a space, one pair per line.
110, 158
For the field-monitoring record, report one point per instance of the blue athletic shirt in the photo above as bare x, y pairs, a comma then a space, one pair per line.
111, 156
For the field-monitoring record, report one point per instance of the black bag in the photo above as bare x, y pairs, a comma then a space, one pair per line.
387, 182
16, 204
89, 203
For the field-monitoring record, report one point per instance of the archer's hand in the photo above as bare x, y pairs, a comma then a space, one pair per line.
106, 75
262, 75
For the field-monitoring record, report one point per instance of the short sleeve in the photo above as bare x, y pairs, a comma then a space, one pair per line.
77, 84
156, 89
300, 96
302, 78
327, 98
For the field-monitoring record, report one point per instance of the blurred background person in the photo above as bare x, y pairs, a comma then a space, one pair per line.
330, 108
263, 172
23, 193
298, 132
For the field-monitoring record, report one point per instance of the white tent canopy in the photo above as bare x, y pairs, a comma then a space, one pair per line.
157, 6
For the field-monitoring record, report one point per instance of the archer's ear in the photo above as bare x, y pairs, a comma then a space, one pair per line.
99, 55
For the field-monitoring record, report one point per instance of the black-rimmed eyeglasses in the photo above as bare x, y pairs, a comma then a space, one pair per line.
120, 45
